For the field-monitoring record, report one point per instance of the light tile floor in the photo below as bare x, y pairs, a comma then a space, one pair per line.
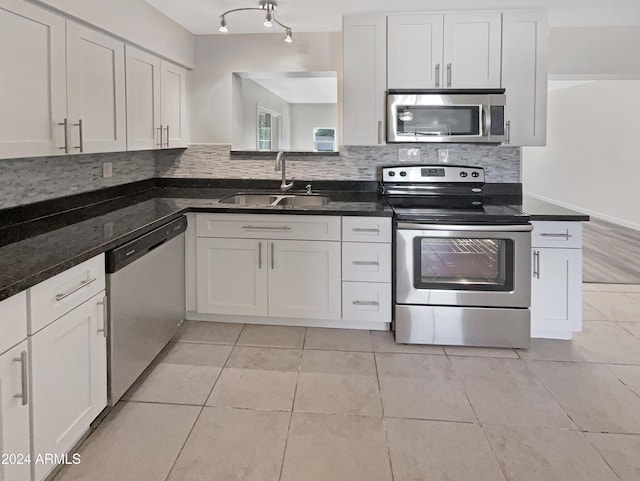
263, 403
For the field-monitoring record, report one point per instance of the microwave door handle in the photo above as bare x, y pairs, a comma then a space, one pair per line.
431, 133
485, 126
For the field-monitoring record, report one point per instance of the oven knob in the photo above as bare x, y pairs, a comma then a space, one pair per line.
403, 173
392, 173
475, 174
463, 174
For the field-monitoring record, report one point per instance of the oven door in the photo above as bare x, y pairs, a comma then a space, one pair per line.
457, 265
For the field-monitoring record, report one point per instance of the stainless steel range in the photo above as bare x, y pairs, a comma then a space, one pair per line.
462, 273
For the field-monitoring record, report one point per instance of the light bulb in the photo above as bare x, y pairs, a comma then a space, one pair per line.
223, 25
288, 38
267, 22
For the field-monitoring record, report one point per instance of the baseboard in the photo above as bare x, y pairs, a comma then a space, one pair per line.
288, 321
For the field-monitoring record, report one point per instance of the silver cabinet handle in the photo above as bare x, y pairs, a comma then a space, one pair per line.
536, 264
167, 136
448, 75
261, 227
508, 128
361, 229
81, 135
365, 263
259, 255
65, 123
82, 285
103, 303
566, 235
273, 260
161, 132
365, 303
24, 375
379, 131
437, 75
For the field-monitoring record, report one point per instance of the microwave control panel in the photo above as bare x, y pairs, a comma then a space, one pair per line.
433, 173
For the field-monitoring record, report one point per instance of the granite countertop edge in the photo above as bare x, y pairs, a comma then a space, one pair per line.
205, 204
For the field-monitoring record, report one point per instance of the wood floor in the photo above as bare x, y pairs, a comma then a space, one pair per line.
611, 253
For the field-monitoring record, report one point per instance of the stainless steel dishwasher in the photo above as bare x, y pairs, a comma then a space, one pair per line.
146, 292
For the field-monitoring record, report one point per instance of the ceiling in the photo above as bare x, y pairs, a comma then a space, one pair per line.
303, 90
202, 16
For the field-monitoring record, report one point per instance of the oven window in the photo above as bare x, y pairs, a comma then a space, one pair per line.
439, 120
463, 263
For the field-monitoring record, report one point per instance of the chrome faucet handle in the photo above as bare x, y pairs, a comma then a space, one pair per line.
308, 187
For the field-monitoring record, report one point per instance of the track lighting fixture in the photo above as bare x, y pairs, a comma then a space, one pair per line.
264, 5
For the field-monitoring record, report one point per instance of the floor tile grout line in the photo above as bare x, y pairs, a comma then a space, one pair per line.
386, 438
611, 468
495, 454
186, 439
293, 403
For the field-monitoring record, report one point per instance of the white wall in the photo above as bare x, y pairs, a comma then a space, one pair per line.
135, 21
594, 52
592, 158
254, 95
218, 56
306, 117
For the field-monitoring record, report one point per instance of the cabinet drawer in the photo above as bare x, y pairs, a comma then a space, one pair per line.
368, 262
556, 234
13, 320
366, 301
366, 229
55, 297
256, 226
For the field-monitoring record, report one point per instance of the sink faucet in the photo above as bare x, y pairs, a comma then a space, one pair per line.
280, 165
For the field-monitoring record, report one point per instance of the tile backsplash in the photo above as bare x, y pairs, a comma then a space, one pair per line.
213, 161
33, 179
28, 180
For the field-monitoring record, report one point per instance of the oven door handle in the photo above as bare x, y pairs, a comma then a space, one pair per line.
468, 228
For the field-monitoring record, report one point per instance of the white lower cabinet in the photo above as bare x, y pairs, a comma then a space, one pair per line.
69, 379
232, 276
14, 414
304, 279
366, 301
556, 283
260, 277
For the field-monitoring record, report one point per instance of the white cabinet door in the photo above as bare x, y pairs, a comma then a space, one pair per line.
556, 292
96, 89
472, 48
232, 276
365, 79
525, 44
143, 99
414, 51
14, 413
304, 279
33, 85
173, 108
68, 369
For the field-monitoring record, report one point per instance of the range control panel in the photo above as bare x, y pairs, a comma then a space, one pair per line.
432, 173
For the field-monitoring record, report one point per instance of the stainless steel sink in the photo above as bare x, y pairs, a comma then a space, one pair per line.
262, 199
249, 199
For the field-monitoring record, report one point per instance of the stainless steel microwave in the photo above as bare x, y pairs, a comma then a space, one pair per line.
446, 115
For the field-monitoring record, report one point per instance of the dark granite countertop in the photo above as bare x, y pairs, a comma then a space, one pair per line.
541, 210
33, 250
41, 240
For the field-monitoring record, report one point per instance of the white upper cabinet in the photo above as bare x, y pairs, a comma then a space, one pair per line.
143, 99
96, 91
525, 44
173, 106
365, 79
33, 92
156, 102
472, 50
452, 50
415, 46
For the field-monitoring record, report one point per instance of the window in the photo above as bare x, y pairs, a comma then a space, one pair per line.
267, 129
324, 139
